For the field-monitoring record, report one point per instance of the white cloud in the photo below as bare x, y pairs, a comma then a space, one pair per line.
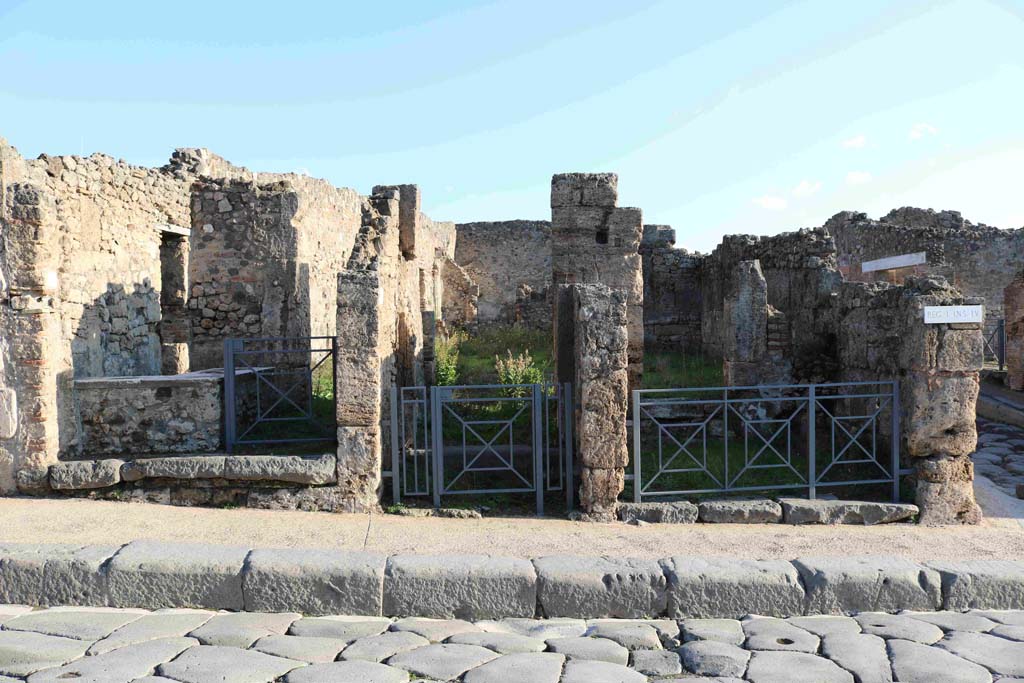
805, 188
856, 142
771, 203
919, 130
858, 177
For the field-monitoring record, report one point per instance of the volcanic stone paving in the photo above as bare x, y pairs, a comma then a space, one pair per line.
105, 645
1000, 455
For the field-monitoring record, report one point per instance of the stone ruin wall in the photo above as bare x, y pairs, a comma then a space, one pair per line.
1013, 303
673, 298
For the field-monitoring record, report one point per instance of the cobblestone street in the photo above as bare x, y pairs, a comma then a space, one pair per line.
192, 646
1000, 455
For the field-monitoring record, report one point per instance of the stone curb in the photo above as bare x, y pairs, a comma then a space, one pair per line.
152, 575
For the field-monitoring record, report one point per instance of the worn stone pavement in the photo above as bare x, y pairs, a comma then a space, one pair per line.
193, 646
1000, 455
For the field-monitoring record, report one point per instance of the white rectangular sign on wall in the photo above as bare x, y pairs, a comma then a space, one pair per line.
953, 314
891, 262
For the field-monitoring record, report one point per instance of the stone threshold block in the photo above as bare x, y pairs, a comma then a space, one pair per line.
54, 574
599, 587
152, 575
751, 511
706, 587
77, 475
314, 582
843, 585
802, 511
680, 512
981, 584
297, 469
459, 586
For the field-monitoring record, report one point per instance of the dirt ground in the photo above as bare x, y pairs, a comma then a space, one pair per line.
98, 522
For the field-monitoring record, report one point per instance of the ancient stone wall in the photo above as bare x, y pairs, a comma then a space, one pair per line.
979, 260
461, 295
673, 298
1013, 306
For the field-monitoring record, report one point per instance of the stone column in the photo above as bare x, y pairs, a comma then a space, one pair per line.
1013, 310
175, 325
602, 395
746, 326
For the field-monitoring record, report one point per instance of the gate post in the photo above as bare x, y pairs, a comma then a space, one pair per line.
812, 447
538, 446
896, 441
637, 480
568, 415
437, 441
396, 483
229, 395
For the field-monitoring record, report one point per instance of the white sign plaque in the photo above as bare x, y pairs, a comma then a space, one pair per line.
891, 262
953, 314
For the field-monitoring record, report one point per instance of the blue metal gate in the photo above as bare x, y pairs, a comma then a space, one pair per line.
995, 342
760, 438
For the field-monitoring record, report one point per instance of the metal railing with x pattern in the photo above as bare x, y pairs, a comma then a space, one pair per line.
765, 438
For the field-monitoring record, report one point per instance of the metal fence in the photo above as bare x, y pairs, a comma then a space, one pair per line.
481, 439
279, 390
780, 437
995, 342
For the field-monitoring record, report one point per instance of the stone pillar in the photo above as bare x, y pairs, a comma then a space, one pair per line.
746, 326
1013, 311
175, 325
602, 395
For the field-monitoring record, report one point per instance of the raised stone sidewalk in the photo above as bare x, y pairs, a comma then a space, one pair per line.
195, 646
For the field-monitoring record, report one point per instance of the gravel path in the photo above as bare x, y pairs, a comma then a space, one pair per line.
194, 646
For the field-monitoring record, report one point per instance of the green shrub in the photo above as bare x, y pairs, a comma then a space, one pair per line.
517, 369
446, 356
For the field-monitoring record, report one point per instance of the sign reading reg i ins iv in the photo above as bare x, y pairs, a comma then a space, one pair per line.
934, 315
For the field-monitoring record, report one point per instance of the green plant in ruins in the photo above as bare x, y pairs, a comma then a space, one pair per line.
446, 356
517, 369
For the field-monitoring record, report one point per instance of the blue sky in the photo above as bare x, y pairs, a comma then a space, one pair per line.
719, 117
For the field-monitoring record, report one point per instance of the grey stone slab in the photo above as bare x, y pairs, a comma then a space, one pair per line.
898, 627
1002, 616
861, 654
794, 667
524, 667
341, 627
226, 665
981, 584
179, 467
752, 511
542, 629
719, 630
502, 643
8, 612
1009, 632
82, 623
838, 585
347, 672
242, 629
442, 662
769, 633
297, 469
954, 621
593, 587
597, 649
712, 658
582, 671
460, 586
53, 574
822, 625
85, 474
679, 512
380, 647
155, 574
300, 648
629, 634
725, 587
434, 630
163, 624
656, 662
119, 666
916, 663
314, 582
998, 655
668, 629
25, 652
800, 511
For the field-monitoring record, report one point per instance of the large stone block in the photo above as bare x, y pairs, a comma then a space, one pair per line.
600, 489
314, 582
724, 587
801, 511
940, 414
184, 467
981, 584
677, 512
597, 587
359, 465
85, 474
359, 386
584, 189
945, 491
459, 586
298, 469
840, 585
8, 413
755, 511
53, 574
153, 574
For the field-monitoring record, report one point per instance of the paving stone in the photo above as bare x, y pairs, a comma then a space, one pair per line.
794, 667
119, 666
916, 663
442, 662
348, 672
630, 635
25, 652
861, 654
378, 648
837, 585
656, 662
529, 667
582, 671
712, 658
753, 511
594, 587
1009, 617
1010, 632
725, 587
677, 512
8, 612
301, 648
502, 643
542, 629
341, 627
667, 629
822, 624
954, 621
81, 623
434, 630
242, 629
597, 649
314, 582
768, 633
998, 655
79, 475
981, 584
226, 665
900, 627
720, 630
53, 574
800, 511
163, 624
156, 574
